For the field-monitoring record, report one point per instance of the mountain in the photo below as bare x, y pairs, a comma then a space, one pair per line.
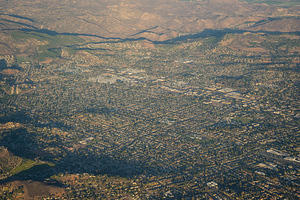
153, 19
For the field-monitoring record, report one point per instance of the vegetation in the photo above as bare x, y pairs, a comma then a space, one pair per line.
26, 164
51, 44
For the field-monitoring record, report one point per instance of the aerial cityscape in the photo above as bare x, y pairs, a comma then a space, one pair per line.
161, 99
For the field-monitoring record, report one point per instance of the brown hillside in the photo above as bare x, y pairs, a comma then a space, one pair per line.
144, 18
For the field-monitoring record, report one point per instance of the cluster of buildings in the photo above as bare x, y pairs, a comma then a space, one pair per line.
188, 128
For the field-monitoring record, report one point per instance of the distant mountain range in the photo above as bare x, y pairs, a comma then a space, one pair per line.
157, 20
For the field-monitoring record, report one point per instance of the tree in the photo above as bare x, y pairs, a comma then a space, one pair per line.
3, 64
